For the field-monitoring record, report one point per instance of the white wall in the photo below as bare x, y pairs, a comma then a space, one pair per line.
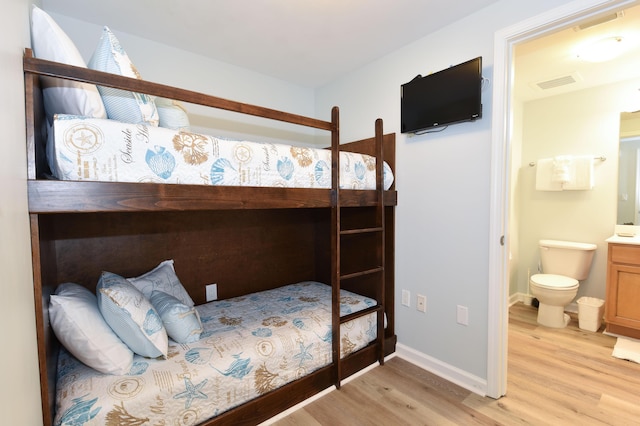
443, 190
164, 64
581, 123
20, 393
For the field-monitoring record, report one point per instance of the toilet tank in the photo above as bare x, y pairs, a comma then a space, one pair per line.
566, 258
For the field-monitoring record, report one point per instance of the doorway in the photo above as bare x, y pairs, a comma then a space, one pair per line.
499, 244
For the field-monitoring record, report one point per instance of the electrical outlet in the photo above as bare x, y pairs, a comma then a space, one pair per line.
406, 298
211, 292
421, 303
462, 315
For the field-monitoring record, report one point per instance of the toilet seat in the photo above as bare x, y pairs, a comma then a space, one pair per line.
554, 282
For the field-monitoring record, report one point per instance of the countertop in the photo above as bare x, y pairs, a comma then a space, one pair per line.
635, 240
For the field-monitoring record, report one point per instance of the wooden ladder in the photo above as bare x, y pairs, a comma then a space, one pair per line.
358, 250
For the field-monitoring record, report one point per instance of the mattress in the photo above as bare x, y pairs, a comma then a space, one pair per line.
250, 345
80, 148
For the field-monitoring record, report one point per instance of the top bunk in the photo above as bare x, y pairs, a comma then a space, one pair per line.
47, 194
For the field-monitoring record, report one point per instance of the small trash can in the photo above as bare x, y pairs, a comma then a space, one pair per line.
590, 312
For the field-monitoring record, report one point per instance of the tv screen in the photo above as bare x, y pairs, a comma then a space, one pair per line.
446, 97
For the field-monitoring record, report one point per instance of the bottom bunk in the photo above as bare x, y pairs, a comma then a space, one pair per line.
248, 346
243, 252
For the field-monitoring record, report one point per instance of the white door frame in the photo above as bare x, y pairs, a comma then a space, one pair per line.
498, 292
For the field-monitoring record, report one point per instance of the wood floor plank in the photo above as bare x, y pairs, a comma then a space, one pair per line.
300, 417
424, 402
555, 377
627, 412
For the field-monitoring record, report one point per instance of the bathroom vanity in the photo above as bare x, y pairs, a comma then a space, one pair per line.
622, 305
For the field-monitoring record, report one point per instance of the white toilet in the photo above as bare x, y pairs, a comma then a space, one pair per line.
564, 263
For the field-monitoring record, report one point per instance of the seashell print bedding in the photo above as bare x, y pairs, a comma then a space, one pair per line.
82, 148
250, 345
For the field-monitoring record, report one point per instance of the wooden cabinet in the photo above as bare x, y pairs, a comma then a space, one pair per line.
622, 308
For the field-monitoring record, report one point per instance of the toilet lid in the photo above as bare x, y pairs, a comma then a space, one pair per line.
553, 281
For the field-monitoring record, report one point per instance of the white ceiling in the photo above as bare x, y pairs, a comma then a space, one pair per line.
555, 56
312, 43
299, 41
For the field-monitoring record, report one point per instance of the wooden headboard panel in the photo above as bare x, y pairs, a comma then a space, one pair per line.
242, 251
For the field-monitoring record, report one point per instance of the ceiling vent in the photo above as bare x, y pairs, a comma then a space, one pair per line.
558, 81
600, 20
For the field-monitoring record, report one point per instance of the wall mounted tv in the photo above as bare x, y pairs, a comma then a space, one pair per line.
446, 97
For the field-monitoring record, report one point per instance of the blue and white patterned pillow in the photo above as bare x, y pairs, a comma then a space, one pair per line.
121, 105
131, 316
181, 321
172, 114
162, 278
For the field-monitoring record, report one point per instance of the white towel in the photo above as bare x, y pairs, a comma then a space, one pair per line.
544, 176
581, 174
627, 348
562, 168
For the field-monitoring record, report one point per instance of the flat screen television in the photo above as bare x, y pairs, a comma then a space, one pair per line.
450, 96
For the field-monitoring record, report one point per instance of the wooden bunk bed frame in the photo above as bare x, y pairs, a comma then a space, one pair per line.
245, 239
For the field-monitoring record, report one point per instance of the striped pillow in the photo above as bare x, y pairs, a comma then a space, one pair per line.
121, 105
181, 321
173, 114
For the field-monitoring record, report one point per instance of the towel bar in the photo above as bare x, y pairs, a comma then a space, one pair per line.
601, 158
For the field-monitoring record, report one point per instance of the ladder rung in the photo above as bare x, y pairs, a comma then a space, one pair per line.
361, 273
361, 230
359, 314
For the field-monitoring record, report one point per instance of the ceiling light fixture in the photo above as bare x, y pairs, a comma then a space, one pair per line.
602, 50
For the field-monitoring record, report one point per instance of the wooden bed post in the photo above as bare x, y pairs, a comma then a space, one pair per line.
380, 221
335, 244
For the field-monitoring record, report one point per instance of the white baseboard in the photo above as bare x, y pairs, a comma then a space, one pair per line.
515, 298
571, 307
453, 374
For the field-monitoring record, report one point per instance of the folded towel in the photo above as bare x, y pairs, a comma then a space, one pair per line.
627, 348
562, 168
581, 173
544, 176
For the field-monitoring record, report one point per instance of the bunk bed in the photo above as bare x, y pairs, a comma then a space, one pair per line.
245, 239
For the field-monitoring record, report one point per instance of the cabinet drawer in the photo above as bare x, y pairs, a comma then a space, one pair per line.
624, 253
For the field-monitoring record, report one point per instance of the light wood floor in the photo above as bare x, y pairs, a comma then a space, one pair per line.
555, 377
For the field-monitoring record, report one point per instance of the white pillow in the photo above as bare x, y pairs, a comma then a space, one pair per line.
162, 278
131, 316
121, 105
181, 321
62, 96
173, 114
80, 327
